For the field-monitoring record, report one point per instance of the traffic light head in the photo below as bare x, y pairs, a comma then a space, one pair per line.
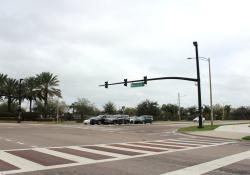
125, 82
145, 79
106, 84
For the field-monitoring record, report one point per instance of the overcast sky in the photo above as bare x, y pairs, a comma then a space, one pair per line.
88, 42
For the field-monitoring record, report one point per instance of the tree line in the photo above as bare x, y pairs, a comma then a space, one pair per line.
40, 91
164, 112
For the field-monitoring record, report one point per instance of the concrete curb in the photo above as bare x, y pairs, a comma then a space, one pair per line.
192, 134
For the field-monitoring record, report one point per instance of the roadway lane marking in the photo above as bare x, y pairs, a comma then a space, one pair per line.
99, 152
190, 141
8, 140
82, 153
157, 145
139, 147
117, 151
168, 144
21, 143
128, 149
211, 165
204, 140
182, 143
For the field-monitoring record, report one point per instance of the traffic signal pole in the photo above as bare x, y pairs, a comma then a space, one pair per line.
198, 82
145, 80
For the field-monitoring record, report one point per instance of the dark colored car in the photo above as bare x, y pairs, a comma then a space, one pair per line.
133, 119
122, 119
143, 119
111, 119
100, 119
117, 119
148, 119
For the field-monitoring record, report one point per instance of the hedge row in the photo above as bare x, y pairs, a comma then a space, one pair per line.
8, 115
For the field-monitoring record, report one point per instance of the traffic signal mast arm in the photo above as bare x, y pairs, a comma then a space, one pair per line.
145, 79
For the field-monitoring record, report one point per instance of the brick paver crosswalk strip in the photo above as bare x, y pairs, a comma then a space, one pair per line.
25, 160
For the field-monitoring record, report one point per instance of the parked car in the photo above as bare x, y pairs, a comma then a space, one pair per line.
132, 119
97, 120
143, 119
122, 119
196, 119
146, 119
87, 121
117, 119
111, 119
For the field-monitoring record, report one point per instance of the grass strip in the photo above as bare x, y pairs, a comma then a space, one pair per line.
246, 138
195, 128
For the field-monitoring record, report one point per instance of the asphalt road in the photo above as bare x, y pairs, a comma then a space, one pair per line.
48, 149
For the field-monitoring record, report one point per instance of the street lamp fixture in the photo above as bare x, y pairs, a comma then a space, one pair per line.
210, 87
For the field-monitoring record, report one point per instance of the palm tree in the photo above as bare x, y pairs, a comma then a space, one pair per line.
31, 90
10, 91
3, 78
47, 87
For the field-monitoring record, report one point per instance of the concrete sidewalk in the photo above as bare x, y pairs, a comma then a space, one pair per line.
226, 131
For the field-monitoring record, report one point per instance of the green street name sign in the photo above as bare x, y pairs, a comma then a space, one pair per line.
139, 84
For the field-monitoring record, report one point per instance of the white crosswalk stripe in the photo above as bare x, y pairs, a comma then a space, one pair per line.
128, 149
111, 152
191, 141
100, 152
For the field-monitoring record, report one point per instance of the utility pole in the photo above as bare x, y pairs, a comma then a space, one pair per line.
210, 88
211, 96
57, 111
20, 100
198, 83
179, 105
223, 112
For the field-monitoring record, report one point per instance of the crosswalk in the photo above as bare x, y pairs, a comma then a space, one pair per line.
25, 160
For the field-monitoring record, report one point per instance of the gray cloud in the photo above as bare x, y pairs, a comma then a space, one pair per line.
88, 42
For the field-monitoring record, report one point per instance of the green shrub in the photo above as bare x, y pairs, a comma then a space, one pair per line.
8, 118
45, 119
246, 138
31, 116
8, 115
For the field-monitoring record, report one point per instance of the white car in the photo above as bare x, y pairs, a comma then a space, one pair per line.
196, 119
132, 119
87, 122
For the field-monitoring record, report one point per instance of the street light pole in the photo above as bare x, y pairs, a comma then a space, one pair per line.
20, 100
198, 82
211, 96
210, 88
